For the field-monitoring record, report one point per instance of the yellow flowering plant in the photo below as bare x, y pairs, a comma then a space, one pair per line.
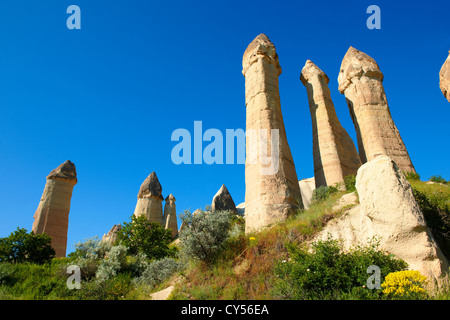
408, 284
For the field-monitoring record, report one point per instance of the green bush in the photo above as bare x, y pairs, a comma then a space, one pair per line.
158, 271
438, 179
150, 238
327, 272
204, 234
436, 211
22, 246
322, 193
411, 175
350, 182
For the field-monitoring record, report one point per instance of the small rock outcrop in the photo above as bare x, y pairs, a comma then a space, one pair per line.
52, 214
361, 81
389, 211
111, 236
334, 153
307, 187
270, 196
170, 215
150, 200
223, 201
444, 78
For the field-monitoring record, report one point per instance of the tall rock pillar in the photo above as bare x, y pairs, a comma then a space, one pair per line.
52, 214
170, 215
444, 78
150, 200
360, 79
270, 195
335, 155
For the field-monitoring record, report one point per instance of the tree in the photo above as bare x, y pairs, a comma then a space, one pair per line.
22, 246
204, 234
142, 236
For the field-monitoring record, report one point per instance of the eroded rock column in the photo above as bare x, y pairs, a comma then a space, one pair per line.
270, 195
335, 155
150, 200
170, 215
222, 201
52, 214
360, 79
444, 78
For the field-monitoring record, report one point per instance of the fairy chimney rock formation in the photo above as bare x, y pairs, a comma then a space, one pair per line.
444, 78
170, 215
223, 201
150, 200
271, 185
334, 153
52, 214
111, 236
360, 79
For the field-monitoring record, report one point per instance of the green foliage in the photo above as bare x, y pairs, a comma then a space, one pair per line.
411, 175
204, 234
350, 182
327, 272
158, 271
149, 238
22, 246
322, 193
434, 204
438, 179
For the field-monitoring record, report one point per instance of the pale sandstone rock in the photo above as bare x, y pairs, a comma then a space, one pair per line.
222, 200
360, 79
150, 200
334, 153
111, 236
170, 215
444, 78
240, 208
52, 214
269, 198
307, 187
389, 211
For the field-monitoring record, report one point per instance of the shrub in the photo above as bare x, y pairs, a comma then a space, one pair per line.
350, 182
438, 179
22, 246
408, 284
158, 271
204, 234
436, 211
322, 193
327, 272
411, 175
112, 263
142, 236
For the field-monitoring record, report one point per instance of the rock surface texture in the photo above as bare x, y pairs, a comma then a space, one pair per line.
150, 200
270, 196
334, 153
52, 214
111, 236
444, 78
170, 215
389, 211
223, 201
360, 79
307, 187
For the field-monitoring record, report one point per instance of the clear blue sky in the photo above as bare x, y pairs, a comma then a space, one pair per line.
109, 96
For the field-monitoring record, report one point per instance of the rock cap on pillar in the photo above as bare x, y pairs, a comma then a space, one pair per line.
65, 171
357, 64
151, 187
444, 78
260, 47
223, 201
